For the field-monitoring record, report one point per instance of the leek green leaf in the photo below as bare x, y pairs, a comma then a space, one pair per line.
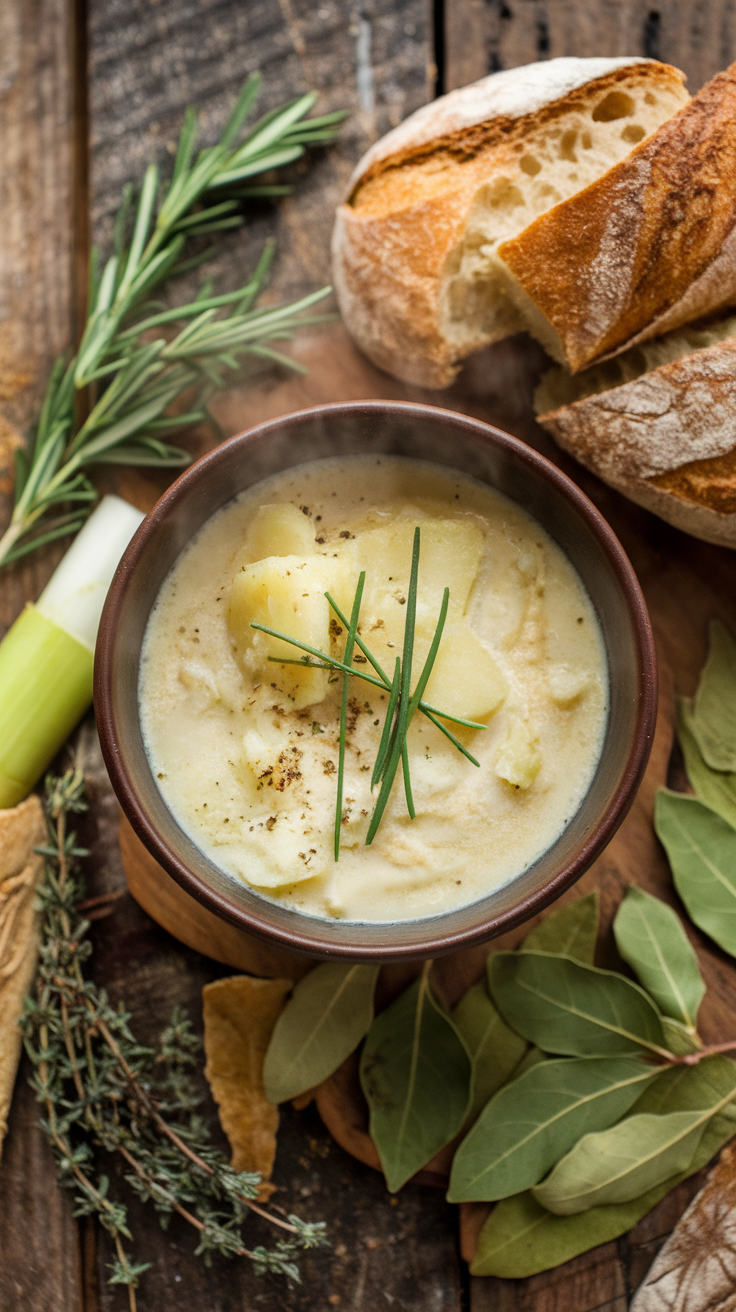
329, 1012
650, 937
701, 848
568, 1008
416, 1075
495, 1050
715, 788
571, 931
521, 1237
533, 1121
714, 708
623, 1162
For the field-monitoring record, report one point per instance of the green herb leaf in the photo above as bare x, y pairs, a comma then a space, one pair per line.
701, 848
679, 1039
714, 788
521, 1237
650, 937
714, 709
622, 1163
495, 1050
416, 1075
533, 1121
571, 931
329, 1012
572, 1009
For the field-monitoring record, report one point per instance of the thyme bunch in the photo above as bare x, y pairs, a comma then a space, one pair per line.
102, 1090
110, 402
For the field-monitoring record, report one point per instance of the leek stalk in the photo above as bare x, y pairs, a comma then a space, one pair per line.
46, 658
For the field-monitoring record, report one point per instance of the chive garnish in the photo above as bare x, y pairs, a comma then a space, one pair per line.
387, 724
402, 705
349, 644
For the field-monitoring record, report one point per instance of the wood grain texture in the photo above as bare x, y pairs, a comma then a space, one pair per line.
482, 36
37, 236
149, 61
40, 1266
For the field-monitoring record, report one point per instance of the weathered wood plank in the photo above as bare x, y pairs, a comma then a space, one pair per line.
37, 239
481, 36
40, 1270
149, 61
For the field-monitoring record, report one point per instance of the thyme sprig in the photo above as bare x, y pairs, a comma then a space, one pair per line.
101, 1090
402, 703
110, 402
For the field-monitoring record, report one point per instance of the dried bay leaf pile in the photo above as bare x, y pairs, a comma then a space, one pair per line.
572, 1098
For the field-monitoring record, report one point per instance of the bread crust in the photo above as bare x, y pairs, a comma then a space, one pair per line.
667, 439
390, 254
647, 247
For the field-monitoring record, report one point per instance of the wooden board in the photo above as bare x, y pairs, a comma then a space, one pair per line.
147, 60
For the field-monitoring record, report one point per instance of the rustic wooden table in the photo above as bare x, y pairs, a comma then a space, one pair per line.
89, 93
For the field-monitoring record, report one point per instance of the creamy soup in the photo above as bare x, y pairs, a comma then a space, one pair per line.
246, 749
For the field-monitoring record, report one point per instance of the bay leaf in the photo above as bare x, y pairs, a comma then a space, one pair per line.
521, 1238
695, 1270
622, 1162
536, 1118
701, 848
495, 1050
571, 931
714, 707
328, 1014
679, 1039
650, 937
239, 1014
572, 1009
715, 788
416, 1075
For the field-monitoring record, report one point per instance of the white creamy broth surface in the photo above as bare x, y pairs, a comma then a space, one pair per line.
245, 751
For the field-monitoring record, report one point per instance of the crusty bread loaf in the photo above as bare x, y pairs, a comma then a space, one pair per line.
647, 247
414, 245
659, 424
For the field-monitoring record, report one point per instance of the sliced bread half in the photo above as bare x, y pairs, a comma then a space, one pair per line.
414, 245
647, 247
659, 424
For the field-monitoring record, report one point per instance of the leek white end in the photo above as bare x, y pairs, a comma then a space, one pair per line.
46, 658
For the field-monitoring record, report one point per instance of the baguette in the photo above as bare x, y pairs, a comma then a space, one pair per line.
659, 424
414, 245
649, 246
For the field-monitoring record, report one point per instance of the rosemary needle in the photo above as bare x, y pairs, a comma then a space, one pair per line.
348, 656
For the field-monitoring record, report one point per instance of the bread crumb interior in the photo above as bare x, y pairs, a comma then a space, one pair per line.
558, 160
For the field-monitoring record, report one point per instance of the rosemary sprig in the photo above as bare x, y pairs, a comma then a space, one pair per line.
101, 1090
109, 402
402, 704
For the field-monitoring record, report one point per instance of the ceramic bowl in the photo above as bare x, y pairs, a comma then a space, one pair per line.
461, 444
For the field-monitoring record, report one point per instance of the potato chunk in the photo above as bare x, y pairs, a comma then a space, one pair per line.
279, 530
450, 555
465, 679
518, 761
285, 593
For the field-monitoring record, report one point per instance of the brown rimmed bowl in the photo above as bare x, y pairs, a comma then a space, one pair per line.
474, 448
